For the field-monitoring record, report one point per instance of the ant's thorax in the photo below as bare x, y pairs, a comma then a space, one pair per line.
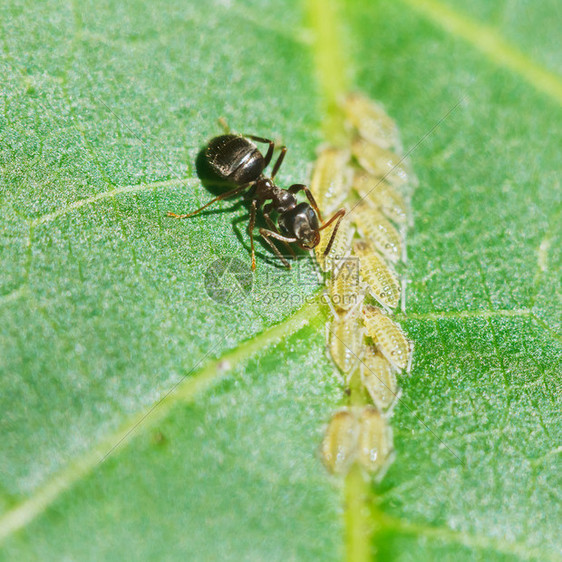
282, 199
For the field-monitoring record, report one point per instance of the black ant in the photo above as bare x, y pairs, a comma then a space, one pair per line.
237, 161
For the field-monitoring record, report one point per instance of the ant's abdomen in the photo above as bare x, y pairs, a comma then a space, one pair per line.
235, 159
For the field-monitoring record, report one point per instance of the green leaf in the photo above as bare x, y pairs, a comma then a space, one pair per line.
143, 420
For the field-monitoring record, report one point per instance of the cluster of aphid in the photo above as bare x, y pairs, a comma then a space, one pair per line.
369, 179
371, 182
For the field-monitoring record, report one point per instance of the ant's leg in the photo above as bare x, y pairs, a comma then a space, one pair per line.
224, 125
266, 234
251, 230
266, 210
301, 187
268, 156
231, 193
279, 161
339, 216
270, 148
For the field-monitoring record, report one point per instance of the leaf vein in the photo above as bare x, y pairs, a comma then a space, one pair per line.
190, 386
458, 537
492, 44
48, 217
459, 314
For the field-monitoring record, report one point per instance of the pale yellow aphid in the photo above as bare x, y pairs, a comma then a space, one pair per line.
339, 447
381, 162
382, 281
345, 286
331, 179
388, 337
340, 246
371, 121
375, 440
378, 378
382, 195
346, 340
357, 435
378, 229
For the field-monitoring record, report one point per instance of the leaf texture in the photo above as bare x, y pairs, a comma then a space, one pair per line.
104, 109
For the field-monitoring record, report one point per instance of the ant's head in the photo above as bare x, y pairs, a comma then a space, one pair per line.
301, 223
309, 240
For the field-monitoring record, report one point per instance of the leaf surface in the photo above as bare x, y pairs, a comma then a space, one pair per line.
104, 110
